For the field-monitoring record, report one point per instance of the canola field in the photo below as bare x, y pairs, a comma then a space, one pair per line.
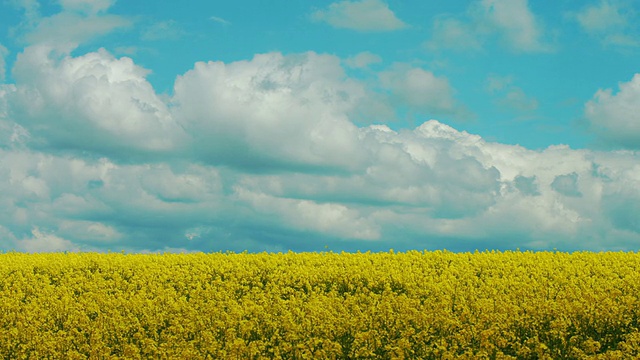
413, 305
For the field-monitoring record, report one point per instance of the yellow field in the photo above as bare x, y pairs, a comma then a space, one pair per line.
415, 305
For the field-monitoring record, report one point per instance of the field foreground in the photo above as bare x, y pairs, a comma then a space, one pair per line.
415, 305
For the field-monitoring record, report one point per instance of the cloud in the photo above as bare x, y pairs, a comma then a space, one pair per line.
412, 169
3, 54
600, 17
454, 34
269, 159
363, 15
31, 8
567, 185
614, 117
97, 204
608, 21
411, 189
512, 21
163, 30
72, 28
526, 185
220, 20
496, 83
90, 7
362, 60
508, 96
79, 22
517, 100
420, 90
92, 102
306, 215
45, 242
622, 207
274, 111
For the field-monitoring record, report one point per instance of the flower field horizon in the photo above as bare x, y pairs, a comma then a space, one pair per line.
387, 305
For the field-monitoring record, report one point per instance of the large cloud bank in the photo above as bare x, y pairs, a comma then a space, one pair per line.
262, 154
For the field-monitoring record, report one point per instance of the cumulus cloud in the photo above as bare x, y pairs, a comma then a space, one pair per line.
455, 34
97, 204
269, 159
92, 102
273, 111
420, 90
331, 219
408, 169
78, 22
512, 21
360, 15
422, 186
45, 242
70, 28
600, 17
615, 118
363, 60
621, 205
608, 21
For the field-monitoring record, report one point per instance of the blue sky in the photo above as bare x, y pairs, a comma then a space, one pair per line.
305, 126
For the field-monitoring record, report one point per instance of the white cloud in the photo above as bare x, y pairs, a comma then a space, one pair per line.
412, 169
512, 20
363, 60
517, 100
31, 8
420, 90
615, 118
508, 96
71, 29
78, 22
271, 160
275, 110
451, 33
496, 83
411, 189
609, 21
3, 54
96, 203
220, 20
360, 15
87, 6
163, 30
45, 242
306, 215
619, 39
514, 196
515, 22
89, 231
601, 17
176, 188
92, 102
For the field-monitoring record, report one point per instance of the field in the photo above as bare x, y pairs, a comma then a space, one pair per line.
414, 305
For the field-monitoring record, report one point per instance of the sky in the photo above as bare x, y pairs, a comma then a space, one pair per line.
279, 125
